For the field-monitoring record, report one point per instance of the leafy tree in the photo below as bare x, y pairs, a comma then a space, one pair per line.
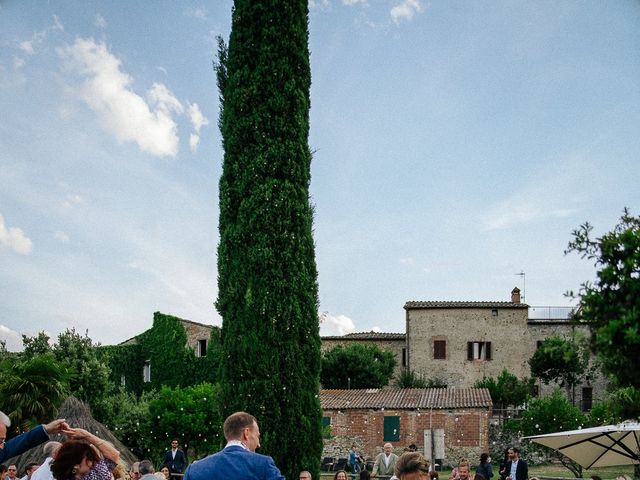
189, 414
410, 379
561, 360
90, 380
611, 305
621, 404
32, 389
267, 277
507, 390
356, 366
552, 413
36, 345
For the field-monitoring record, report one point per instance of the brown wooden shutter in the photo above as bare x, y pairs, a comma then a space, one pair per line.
488, 347
469, 350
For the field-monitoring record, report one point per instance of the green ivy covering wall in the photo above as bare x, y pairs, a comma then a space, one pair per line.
173, 363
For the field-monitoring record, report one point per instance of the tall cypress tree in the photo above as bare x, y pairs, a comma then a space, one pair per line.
267, 278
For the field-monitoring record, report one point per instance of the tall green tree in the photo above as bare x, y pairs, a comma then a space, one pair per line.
267, 277
611, 305
561, 360
507, 390
356, 366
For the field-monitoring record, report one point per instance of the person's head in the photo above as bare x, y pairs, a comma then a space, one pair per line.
388, 448
513, 453
50, 448
73, 459
165, 471
483, 458
146, 467
354, 447
3, 471
365, 475
304, 475
413, 447
433, 474
340, 475
174, 444
412, 466
12, 471
119, 472
4, 424
134, 473
31, 467
463, 469
243, 427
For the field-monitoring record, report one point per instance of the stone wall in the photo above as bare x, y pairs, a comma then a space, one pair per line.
466, 431
506, 329
196, 331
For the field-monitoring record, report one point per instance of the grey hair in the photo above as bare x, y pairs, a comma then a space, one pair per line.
146, 467
5, 420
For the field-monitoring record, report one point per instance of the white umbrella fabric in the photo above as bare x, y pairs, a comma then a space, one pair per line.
598, 446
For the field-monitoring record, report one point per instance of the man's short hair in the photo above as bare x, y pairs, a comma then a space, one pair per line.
30, 466
146, 467
305, 474
6, 421
464, 463
515, 450
411, 462
236, 423
50, 448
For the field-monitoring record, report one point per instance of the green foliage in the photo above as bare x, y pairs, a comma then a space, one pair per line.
90, 380
36, 345
189, 414
173, 363
507, 390
611, 305
560, 360
553, 413
128, 418
410, 379
621, 404
32, 389
267, 277
356, 366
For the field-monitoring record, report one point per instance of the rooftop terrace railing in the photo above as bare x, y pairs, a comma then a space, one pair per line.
550, 313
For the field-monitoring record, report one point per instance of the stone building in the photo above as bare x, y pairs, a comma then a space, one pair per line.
446, 424
461, 342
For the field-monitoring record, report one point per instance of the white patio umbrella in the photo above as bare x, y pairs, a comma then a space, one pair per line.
597, 446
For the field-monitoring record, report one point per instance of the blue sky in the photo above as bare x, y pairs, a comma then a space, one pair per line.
455, 143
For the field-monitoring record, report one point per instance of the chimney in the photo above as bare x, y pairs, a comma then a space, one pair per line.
515, 295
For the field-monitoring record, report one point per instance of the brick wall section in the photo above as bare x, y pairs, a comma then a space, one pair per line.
466, 431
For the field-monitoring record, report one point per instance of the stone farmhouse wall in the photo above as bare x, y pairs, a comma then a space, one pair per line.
466, 431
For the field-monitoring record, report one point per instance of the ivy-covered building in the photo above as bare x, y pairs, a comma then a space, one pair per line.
174, 352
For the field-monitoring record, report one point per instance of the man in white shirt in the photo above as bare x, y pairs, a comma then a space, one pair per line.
385, 461
44, 471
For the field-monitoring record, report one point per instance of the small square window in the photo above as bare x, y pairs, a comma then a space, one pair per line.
494, 312
440, 349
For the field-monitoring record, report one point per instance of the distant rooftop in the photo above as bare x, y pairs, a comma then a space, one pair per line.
366, 336
405, 398
462, 304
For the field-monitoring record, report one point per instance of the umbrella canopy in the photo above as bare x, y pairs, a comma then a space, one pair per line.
598, 446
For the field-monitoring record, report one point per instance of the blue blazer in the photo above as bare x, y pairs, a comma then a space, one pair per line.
23, 442
235, 463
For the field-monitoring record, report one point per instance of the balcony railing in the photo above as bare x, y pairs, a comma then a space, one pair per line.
550, 313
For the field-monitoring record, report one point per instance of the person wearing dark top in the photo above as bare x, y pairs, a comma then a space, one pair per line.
484, 468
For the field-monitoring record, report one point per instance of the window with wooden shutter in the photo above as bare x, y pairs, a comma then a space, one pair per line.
440, 349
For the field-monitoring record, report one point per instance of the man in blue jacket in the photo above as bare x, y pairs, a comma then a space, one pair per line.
27, 440
238, 459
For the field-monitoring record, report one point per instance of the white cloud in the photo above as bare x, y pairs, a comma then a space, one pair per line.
407, 261
61, 236
354, 2
406, 10
107, 91
14, 238
313, 4
72, 200
198, 120
376, 329
18, 63
29, 46
199, 13
335, 325
12, 338
100, 21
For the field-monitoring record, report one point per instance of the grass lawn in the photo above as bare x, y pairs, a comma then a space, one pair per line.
558, 471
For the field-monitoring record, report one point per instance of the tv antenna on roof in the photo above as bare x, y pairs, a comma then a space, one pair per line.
524, 284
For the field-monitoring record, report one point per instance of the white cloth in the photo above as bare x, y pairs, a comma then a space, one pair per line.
514, 468
44, 471
238, 443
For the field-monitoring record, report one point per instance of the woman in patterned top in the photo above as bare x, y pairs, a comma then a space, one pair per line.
84, 457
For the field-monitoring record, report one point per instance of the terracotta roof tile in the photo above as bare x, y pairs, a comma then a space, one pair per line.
405, 398
367, 336
446, 304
